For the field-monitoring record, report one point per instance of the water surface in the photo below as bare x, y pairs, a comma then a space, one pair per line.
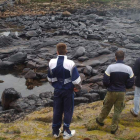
18, 83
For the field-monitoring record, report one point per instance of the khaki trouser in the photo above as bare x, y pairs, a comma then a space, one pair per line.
116, 99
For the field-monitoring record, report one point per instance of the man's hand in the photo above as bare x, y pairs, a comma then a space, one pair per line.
76, 90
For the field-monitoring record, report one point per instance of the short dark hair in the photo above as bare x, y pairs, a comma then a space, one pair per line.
61, 48
119, 55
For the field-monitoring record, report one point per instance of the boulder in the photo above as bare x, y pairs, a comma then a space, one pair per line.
45, 95
87, 70
6, 65
95, 79
136, 39
9, 95
83, 58
92, 96
79, 52
18, 57
30, 34
31, 64
25, 70
30, 74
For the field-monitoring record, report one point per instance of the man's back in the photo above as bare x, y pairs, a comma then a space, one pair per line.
118, 77
63, 73
136, 70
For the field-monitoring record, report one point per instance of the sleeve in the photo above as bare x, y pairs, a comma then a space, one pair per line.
49, 76
136, 67
130, 81
106, 78
76, 79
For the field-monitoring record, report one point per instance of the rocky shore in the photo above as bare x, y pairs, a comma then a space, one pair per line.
92, 38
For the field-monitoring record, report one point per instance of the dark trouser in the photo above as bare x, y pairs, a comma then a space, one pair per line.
63, 103
116, 99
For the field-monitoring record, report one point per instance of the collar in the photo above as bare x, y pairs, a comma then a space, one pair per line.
65, 57
119, 61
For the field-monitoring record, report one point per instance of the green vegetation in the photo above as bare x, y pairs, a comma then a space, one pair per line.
99, 1
1, 138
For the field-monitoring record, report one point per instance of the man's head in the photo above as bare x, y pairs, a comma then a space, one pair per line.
119, 55
61, 49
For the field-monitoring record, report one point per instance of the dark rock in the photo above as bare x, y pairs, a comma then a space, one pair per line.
18, 57
79, 52
136, 39
113, 48
87, 70
30, 34
132, 46
79, 100
94, 79
30, 75
31, 64
20, 105
95, 63
45, 95
94, 72
9, 95
49, 103
111, 39
83, 58
33, 97
92, 96
101, 92
6, 65
104, 51
25, 70
99, 19
94, 36
5, 41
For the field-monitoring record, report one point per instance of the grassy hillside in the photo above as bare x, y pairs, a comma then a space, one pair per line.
37, 126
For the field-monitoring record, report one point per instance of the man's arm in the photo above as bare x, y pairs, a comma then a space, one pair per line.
76, 79
106, 78
136, 68
130, 81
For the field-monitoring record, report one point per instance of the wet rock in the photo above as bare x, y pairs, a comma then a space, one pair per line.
18, 57
33, 97
25, 70
30, 75
31, 65
49, 102
79, 100
94, 79
9, 95
104, 51
6, 65
87, 70
1, 81
92, 96
83, 58
79, 52
45, 95
95, 63
94, 72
